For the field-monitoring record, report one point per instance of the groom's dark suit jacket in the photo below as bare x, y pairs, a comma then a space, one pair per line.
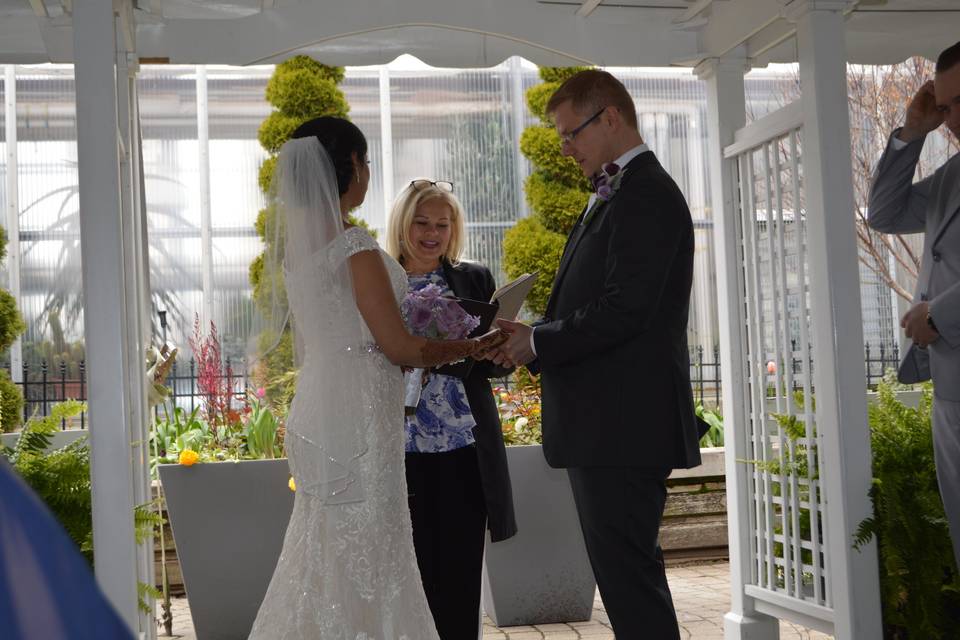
612, 350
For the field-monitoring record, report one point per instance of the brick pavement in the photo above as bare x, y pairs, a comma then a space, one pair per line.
701, 595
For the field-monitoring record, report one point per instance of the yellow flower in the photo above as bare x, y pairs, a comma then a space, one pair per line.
189, 457
292, 484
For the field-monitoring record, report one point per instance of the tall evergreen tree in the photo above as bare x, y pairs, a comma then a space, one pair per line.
11, 326
556, 193
300, 89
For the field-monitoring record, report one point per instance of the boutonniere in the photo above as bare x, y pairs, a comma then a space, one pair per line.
606, 183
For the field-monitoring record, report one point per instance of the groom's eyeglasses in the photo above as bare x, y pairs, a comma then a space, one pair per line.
567, 138
443, 185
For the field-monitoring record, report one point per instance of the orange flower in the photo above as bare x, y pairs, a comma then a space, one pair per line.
189, 457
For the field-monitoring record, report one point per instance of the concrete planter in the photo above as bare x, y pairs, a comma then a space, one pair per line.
541, 575
60, 438
228, 521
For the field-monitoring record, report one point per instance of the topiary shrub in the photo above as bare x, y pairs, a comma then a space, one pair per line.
300, 89
556, 193
11, 326
11, 403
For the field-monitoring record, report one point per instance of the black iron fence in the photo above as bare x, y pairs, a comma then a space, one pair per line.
44, 385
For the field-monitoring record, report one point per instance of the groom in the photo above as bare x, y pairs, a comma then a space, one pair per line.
612, 352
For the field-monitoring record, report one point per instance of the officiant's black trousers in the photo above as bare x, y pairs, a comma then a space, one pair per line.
449, 517
620, 510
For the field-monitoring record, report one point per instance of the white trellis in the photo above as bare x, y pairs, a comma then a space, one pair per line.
798, 460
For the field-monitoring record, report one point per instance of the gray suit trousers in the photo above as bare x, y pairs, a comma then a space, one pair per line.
946, 451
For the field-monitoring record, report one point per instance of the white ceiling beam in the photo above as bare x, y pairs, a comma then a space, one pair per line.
39, 8
588, 7
693, 11
67, 6
267, 4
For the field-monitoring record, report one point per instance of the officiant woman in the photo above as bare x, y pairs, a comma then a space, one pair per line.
457, 474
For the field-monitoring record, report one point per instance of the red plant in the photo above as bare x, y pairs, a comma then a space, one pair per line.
215, 384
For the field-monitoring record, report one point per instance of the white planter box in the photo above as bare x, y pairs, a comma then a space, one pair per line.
541, 575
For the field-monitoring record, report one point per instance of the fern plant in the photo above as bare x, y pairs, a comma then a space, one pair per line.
919, 582
61, 478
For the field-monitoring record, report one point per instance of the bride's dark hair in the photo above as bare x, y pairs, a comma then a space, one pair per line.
341, 139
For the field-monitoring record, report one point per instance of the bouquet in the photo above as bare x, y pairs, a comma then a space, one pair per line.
429, 314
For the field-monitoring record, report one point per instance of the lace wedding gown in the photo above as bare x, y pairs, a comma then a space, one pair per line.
348, 571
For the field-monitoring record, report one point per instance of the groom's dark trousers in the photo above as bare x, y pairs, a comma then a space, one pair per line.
615, 373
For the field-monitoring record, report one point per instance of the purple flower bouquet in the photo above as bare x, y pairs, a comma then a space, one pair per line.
427, 313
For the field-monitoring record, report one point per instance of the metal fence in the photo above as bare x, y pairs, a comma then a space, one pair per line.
44, 385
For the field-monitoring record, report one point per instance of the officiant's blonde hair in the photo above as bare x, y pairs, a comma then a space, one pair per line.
405, 208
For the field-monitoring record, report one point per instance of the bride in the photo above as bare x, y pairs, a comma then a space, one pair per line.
347, 570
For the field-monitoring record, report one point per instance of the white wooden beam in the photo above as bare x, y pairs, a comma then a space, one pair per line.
726, 113
39, 8
836, 317
101, 243
13, 212
588, 7
693, 11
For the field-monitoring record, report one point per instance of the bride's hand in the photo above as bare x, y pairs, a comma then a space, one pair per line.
488, 342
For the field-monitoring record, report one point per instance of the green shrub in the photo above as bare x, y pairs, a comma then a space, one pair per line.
297, 63
303, 94
556, 192
542, 146
265, 175
537, 97
277, 129
529, 247
919, 582
558, 205
11, 322
11, 404
299, 89
559, 74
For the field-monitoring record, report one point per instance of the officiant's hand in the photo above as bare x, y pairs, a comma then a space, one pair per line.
516, 350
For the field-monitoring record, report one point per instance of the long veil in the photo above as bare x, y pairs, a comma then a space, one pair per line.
312, 293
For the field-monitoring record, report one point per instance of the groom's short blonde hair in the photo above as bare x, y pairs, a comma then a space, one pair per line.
405, 208
592, 90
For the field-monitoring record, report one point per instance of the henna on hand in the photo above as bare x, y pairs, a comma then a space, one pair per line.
439, 352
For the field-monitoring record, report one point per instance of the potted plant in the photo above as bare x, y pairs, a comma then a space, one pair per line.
541, 575
228, 495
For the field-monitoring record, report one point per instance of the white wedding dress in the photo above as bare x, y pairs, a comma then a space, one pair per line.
347, 571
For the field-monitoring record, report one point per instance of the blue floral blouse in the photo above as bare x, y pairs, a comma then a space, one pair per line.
443, 420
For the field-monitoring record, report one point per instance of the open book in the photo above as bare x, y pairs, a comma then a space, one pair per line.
510, 296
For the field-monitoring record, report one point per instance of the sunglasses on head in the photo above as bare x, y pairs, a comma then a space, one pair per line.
443, 185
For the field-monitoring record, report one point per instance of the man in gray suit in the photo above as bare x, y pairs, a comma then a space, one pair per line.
931, 205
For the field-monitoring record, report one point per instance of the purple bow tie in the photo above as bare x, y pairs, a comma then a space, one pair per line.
602, 181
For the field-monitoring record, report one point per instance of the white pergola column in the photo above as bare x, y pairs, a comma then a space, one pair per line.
834, 289
203, 166
136, 290
726, 113
13, 211
115, 387
386, 142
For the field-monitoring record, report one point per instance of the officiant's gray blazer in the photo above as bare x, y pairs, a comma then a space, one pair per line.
931, 206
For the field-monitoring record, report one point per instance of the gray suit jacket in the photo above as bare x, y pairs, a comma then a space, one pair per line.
931, 205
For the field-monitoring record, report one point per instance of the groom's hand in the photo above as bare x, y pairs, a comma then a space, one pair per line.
516, 350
